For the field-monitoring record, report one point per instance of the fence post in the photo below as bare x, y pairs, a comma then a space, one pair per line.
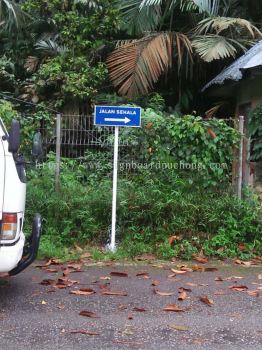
240, 161
58, 152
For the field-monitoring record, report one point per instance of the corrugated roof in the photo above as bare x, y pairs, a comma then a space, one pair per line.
252, 58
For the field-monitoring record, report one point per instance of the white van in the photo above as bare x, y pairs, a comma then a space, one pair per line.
16, 251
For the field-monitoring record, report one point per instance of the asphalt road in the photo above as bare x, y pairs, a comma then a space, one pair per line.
35, 316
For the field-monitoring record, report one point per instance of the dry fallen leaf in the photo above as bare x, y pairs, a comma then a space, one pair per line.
210, 269
130, 317
61, 306
178, 327
259, 330
182, 296
206, 300
155, 283
119, 274
105, 278
253, 293
50, 270
122, 307
220, 292
88, 314
138, 309
238, 288
175, 308
142, 274
82, 331
74, 266
119, 294
178, 272
201, 259
182, 289
163, 294
83, 291
47, 282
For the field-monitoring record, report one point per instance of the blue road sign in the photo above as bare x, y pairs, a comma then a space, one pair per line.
118, 116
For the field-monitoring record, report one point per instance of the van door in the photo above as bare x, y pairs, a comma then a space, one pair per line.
2, 170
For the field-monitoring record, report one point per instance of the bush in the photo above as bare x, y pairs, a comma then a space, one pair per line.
151, 208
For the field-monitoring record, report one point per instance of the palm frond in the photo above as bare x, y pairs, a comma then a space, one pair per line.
31, 63
213, 47
220, 24
91, 4
211, 7
136, 66
49, 46
139, 19
11, 15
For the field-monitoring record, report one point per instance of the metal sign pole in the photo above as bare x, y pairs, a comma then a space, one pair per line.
115, 173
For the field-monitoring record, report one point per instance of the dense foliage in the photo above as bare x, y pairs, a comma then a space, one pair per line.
255, 132
151, 209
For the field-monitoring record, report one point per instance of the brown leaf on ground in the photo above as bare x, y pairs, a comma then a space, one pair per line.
66, 272
122, 307
201, 259
185, 268
182, 296
210, 269
74, 266
61, 306
220, 279
238, 288
155, 283
130, 317
220, 292
175, 308
163, 294
142, 274
83, 291
88, 314
253, 293
48, 282
119, 294
259, 330
178, 327
197, 268
138, 309
206, 300
82, 331
119, 274
178, 272
105, 278
183, 289
50, 270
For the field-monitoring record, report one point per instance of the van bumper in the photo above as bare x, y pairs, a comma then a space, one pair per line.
11, 255
29, 248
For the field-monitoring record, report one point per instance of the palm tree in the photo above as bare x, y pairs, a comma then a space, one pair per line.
11, 15
174, 33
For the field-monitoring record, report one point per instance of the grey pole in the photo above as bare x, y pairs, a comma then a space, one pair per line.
58, 152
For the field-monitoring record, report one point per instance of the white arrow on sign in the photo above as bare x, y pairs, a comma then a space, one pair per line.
126, 120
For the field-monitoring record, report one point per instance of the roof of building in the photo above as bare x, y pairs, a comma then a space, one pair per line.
252, 58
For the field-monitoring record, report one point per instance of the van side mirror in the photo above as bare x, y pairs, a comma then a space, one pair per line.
14, 137
37, 148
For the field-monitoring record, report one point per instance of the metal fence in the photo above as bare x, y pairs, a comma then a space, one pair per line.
75, 136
